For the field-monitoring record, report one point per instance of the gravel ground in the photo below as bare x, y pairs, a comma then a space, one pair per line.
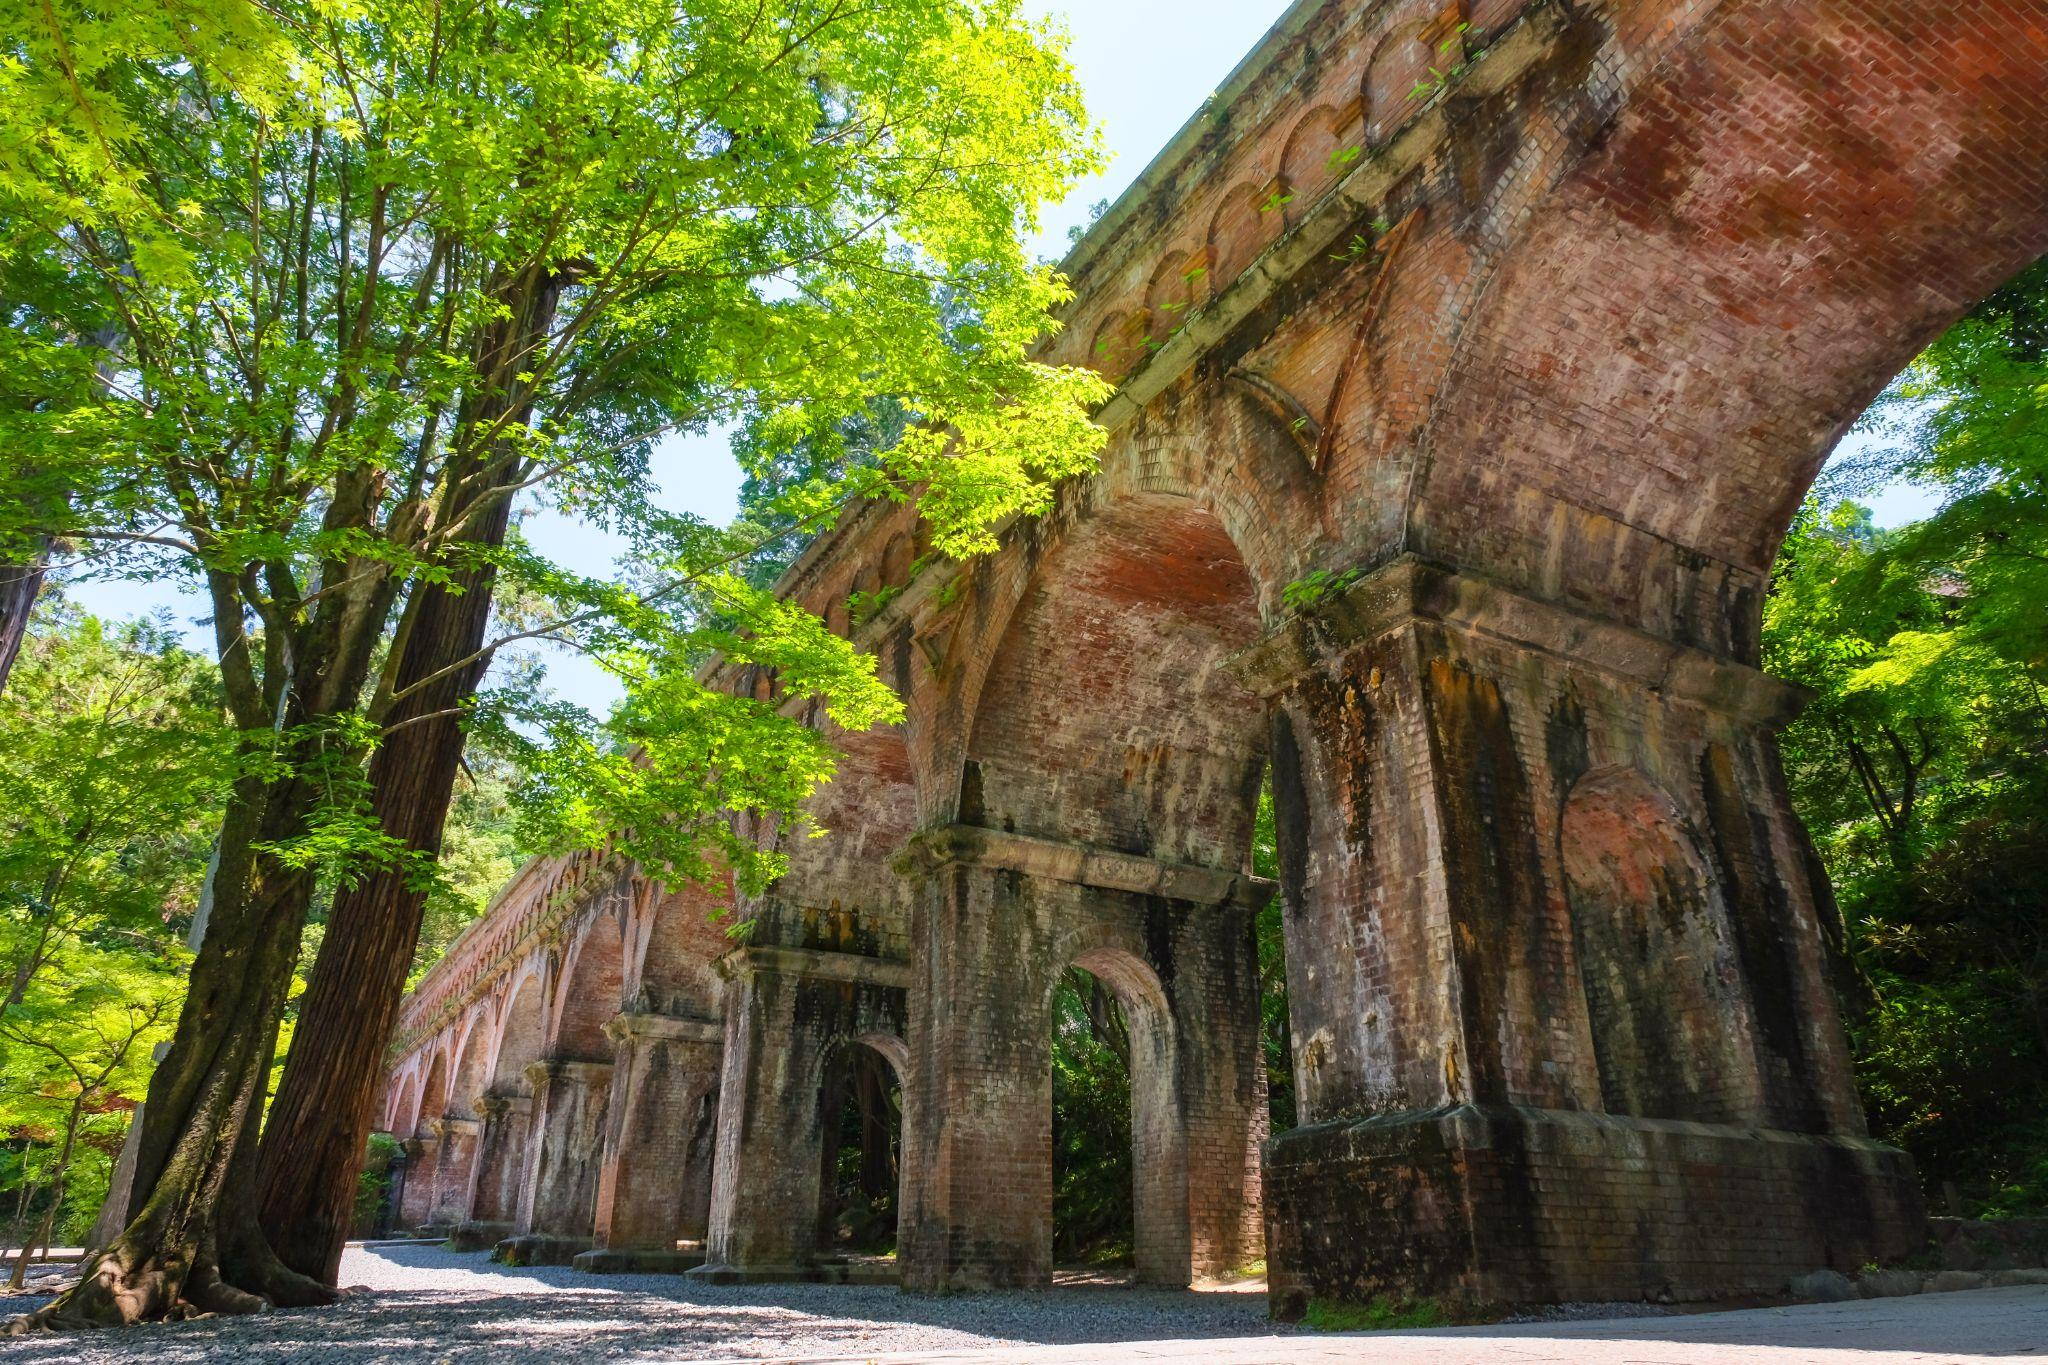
428, 1306
433, 1305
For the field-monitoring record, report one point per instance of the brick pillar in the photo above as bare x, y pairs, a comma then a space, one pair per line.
416, 1201
1556, 966
560, 1198
500, 1165
764, 1188
655, 1183
454, 1170
999, 918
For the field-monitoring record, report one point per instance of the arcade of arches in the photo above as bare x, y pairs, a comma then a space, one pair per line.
1457, 425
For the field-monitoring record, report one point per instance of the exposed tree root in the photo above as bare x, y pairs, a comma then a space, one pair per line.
111, 1295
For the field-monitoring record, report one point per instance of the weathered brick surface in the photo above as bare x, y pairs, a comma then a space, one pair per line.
787, 1015
654, 1183
1501, 1204
1546, 353
978, 1133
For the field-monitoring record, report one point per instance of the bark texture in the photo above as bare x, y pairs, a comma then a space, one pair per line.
205, 1096
19, 585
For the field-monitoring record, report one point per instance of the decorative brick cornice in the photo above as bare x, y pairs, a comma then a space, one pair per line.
535, 906
664, 1028
817, 964
1082, 865
551, 1069
1123, 236
1412, 589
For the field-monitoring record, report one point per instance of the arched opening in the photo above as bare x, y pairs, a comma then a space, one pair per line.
1120, 1162
1109, 718
507, 1104
1114, 762
519, 1036
434, 1094
405, 1107
590, 992
472, 1067
860, 1114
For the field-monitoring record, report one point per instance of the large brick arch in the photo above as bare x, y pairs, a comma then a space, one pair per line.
675, 939
1521, 384
1753, 250
472, 1067
1107, 718
591, 989
521, 1027
433, 1099
403, 1116
1229, 459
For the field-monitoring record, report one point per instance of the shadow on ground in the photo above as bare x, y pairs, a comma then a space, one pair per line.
428, 1304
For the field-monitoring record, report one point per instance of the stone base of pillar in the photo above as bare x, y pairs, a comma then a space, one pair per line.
1508, 1205
478, 1236
540, 1249
862, 1270
641, 1261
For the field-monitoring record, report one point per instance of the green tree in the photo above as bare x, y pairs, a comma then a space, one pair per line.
114, 756
77, 1048
113, 759
376, 272
1919, 766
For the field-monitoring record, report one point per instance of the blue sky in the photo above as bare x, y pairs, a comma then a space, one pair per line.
1145, 65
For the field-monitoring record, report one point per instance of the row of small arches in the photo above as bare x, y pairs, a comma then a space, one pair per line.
1423, 40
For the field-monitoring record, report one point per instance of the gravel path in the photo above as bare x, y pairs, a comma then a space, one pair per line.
434, 1305
431, 1307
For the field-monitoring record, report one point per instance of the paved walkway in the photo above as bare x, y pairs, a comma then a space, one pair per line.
431, 1305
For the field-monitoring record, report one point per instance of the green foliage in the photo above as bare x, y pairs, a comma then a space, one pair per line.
1304, 594
480, 850
1377, 1315
1093, 1211
114, 757
1276, 1029
1919, 766
417, 261
373, 1183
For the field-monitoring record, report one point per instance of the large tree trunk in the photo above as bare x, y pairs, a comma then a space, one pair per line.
320, 1121
19, 585
206, 1095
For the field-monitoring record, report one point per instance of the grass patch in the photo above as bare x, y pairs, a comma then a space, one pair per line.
1376, 1315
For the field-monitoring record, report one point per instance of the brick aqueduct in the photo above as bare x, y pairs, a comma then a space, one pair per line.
1535, 362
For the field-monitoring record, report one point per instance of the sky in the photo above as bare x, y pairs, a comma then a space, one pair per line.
1145, 66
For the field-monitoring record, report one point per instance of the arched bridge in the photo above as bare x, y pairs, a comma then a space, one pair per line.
1473, 357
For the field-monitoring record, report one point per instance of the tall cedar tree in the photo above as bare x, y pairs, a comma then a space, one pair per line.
376, 269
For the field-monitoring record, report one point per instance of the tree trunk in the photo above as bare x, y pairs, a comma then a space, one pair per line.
206, 1095
43, 1233
320, 1122
19, 585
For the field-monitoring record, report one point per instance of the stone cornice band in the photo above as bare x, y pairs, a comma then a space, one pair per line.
1081, 865
1412, 589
